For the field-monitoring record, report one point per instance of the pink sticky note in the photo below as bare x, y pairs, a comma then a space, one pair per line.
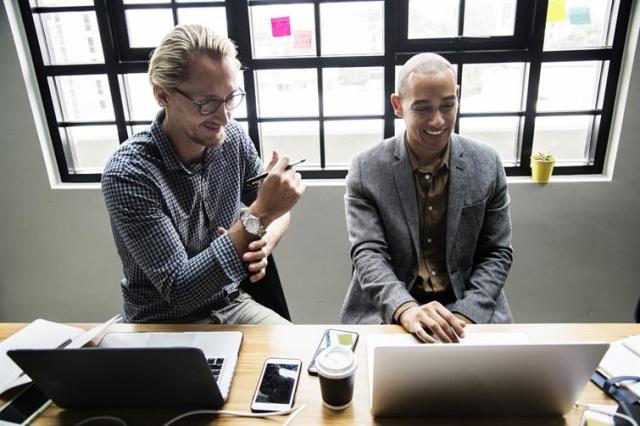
281, 27
302, 40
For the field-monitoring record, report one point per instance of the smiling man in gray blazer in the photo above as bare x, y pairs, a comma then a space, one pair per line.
428, 217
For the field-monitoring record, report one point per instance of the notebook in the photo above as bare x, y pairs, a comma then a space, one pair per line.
463, 380
137, 370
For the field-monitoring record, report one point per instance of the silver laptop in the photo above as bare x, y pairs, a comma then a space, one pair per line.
459, 380
220, 348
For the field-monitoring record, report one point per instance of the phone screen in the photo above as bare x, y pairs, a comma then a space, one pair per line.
28, 403
331, 337
278, 383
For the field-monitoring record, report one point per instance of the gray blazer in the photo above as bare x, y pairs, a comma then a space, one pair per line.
382, 220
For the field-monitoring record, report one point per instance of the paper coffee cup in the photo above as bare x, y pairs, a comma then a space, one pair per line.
336, 370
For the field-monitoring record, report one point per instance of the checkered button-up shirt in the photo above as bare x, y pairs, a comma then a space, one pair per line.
165, 215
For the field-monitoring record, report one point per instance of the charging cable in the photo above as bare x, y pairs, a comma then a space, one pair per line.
590, 407
94, 418
293, 411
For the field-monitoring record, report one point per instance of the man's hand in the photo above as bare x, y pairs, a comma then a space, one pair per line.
256, 257
279, 191
432, 320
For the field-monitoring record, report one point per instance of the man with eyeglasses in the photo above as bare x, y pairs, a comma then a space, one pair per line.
188, 226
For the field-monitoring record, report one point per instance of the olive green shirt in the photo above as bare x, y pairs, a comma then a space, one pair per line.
432, 196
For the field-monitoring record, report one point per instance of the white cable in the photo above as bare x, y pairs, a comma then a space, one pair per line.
294, 415
90, 419
239, 414
608, 413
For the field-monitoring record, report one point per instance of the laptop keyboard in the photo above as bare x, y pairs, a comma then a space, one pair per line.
215, 364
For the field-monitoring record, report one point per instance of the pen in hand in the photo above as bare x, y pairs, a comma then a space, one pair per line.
264, 175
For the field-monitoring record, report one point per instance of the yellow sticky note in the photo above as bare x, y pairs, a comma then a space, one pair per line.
556, 11
345, 339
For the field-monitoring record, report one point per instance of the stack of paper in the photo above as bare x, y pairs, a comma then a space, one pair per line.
42, 334
623, 359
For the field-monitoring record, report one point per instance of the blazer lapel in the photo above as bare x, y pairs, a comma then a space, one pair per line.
457, 189
406, 188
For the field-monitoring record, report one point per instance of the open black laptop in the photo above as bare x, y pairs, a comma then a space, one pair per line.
129, 377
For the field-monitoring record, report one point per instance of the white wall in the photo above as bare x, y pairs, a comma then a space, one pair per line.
576, 244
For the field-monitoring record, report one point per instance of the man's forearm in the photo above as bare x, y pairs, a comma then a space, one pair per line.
276, 230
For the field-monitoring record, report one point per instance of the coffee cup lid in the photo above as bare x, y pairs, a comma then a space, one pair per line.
336, 362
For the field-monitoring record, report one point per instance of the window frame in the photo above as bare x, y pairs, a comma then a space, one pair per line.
526, 45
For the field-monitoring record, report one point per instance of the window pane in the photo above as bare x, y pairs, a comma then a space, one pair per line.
287, 93
132, 130
566, 86
489, 18
69, 38
295, 139
567, 137
199, 1
353, 91
433, 18
82, 98
137, 97
345, 139
573, 24
147, 27
213, 17
241, 110
499, 132
283, 30
352, 28
90, 147
492, 87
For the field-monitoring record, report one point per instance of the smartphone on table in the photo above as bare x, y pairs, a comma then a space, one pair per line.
25, 407
330, 337
277, 386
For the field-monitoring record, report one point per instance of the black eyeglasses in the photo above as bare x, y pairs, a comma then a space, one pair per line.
211, 105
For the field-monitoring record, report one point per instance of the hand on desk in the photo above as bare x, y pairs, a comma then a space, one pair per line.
431, 321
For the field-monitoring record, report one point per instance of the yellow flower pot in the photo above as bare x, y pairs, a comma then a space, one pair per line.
541, 170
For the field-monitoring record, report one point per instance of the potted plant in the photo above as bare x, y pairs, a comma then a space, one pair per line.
542, 166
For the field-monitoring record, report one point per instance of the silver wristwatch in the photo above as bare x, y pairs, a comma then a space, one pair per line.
252, 224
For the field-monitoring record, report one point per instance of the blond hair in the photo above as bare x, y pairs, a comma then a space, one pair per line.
424, 64
171, 59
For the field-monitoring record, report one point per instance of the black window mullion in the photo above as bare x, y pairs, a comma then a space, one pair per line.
174, 12
43, 85
391, 26
111, 60
535, 65
316, 17
615, 64
459, 83
461, 11
238, 26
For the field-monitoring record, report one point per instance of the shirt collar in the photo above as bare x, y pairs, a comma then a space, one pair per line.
168, 153
444, 160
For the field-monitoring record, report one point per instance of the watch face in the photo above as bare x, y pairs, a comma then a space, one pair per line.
252, 225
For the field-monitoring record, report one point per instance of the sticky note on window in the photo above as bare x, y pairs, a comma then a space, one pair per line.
579, 16
281, 27
302, 40
556, 11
